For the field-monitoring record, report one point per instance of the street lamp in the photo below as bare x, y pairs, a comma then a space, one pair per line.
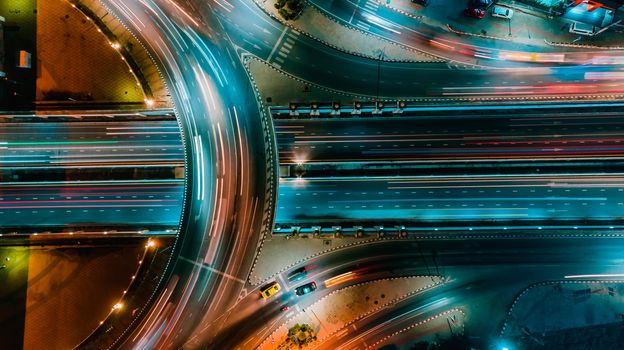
501, 345
381, 54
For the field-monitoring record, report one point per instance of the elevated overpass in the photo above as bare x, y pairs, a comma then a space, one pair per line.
454, 202
533, 166
85, 172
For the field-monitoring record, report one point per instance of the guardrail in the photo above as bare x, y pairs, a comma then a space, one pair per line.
87, 116
381, 229
82, 239
400, 108
290, 169
86, 230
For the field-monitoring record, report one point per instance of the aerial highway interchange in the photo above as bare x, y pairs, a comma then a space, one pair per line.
493, 169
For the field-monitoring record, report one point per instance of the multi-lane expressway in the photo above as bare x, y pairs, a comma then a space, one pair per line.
431, 200
455, 137
584, 190
90, 144
439, 136
47, 205
90, 170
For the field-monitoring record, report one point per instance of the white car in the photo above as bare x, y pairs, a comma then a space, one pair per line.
502, 12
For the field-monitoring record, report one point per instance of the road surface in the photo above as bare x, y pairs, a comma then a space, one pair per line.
103, 204
455, 137
230, 179
443, 199
483, 278
88, 144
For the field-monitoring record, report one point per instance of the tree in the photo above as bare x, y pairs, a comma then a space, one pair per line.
300, 335
289, 9
421, 345
455, 342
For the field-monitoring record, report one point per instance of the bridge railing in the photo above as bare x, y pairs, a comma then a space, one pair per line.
405, 229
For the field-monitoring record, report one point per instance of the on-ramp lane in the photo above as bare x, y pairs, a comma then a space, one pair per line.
228, 193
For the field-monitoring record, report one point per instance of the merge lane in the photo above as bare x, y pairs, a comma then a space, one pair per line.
91, 203
435, 199
90, 144
569, 136
228, 196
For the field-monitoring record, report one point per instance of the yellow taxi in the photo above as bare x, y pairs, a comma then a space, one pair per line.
270, 289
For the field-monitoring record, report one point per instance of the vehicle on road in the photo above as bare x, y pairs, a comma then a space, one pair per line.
298, 274
474, 13
270, 289
305, 289
502, 12
481, 4
285, 308
421, 2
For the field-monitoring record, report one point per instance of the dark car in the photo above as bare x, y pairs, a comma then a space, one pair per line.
305, 289
298, 274
481, 4
474, 13
421, 2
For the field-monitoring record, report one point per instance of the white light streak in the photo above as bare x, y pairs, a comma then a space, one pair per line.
613, 275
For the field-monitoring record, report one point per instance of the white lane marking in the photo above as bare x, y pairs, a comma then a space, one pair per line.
616, 275
277, 44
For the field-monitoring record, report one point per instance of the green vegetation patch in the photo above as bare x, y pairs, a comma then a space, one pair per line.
289, 9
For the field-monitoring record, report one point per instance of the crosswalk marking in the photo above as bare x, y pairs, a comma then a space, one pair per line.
283, 46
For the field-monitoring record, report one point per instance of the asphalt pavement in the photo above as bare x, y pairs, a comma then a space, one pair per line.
91, 204
523, 43
227, 202
87, 144
434, 199
315, 63
456, 137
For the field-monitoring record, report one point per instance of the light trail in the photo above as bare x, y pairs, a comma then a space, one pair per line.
615, 275
180, 9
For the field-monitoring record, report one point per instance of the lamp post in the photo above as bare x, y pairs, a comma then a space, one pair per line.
381, 54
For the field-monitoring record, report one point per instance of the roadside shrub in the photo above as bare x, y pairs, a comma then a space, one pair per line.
289, 9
